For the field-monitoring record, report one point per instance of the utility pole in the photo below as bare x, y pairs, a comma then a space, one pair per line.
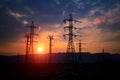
50, 48
71, 35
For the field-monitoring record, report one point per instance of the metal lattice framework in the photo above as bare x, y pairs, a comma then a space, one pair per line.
50, 47
70, 55
80, 46
71, 35
27, 36
30, 42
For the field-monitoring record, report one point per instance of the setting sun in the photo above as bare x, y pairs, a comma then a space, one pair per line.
40, 49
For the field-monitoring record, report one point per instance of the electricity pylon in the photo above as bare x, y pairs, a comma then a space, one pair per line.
80, 46
50, 48
80, 50
103, 54
71, 35
27, 47
30, 43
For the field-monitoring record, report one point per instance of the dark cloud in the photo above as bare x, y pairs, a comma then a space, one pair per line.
115, 39
10, 28
114, 26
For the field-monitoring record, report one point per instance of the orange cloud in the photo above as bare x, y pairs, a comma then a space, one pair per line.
99, 20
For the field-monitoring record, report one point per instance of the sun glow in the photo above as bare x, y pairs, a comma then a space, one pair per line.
40, 49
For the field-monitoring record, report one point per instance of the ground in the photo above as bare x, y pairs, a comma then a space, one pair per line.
60, 71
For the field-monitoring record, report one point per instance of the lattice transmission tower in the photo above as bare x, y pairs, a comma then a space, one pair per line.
71, 35
70, 52
50, 47
30, 42
27, 36
80, 46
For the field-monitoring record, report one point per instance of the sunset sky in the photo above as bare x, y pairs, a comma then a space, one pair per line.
100, 24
